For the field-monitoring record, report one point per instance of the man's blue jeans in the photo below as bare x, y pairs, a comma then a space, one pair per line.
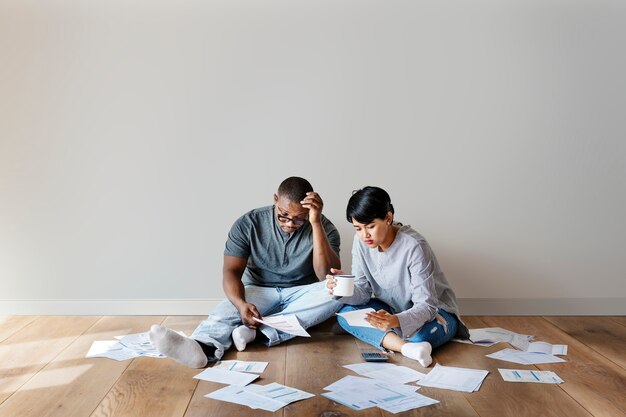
436, 332
310, 303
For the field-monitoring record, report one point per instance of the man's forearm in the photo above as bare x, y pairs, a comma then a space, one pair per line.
324, 257
234, 289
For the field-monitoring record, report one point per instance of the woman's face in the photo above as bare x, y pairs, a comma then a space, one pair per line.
373, 234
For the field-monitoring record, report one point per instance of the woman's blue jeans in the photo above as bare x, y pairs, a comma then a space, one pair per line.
434, 332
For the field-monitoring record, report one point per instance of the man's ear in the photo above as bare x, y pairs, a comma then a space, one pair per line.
275, 199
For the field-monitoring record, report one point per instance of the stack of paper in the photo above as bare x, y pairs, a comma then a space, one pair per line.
126, 347
271, 397
518, 375
458, 379
386, 372
360, 393
524, 358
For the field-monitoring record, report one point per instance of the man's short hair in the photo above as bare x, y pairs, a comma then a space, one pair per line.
294, 189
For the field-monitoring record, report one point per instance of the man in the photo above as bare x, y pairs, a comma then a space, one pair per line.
274, 260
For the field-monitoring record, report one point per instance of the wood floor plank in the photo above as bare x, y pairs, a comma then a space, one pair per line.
599, 333
619, 319
498, 398
72, 384
30, 349
152, 387
201, 406
12, 324
312, 364
592, 380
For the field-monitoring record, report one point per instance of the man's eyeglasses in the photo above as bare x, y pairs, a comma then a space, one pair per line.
298, 221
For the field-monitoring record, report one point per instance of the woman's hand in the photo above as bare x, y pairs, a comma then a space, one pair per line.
383, 320
331, 282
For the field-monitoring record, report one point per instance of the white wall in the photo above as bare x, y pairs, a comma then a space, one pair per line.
133, 133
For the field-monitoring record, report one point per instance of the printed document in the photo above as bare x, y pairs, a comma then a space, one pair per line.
242, 366
280, 393
140, 343
271, 397
357, 317
518, 375
224, 376
360, 394
351, 381
545, 347
111, 349
458, 379
491, 335
524, 358
386, 372
125, 347
288, 324
243, 396
409, 402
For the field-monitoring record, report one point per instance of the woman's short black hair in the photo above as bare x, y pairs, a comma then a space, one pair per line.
367, 204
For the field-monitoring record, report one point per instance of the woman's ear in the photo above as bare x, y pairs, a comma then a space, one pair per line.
389, 218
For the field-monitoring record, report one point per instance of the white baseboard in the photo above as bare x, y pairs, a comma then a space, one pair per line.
203, 306
542, 306
139, 307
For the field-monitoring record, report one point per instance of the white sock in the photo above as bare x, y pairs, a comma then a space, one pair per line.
243, 335
180, 348
418, 351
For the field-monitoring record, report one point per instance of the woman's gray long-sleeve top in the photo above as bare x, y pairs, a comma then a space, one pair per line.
407, 277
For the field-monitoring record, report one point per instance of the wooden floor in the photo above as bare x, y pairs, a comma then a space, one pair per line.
43, 371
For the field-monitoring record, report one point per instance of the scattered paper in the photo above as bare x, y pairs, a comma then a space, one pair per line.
363, 393
242, 366
281, 393
271, 397
357, 317
386, 372
125, 347
518, 375
350, 381
224, 376
409, 402
457, 379
110, 349
524, 358
491, 335
545, 347
140, 343
243, 396
287, 324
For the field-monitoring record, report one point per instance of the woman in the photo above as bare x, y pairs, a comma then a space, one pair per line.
415, 308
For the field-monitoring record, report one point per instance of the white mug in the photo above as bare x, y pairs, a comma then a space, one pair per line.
344, 286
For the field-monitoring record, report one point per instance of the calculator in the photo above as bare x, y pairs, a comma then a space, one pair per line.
374, 356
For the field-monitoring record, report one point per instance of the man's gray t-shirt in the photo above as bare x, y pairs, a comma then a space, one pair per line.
275, 258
